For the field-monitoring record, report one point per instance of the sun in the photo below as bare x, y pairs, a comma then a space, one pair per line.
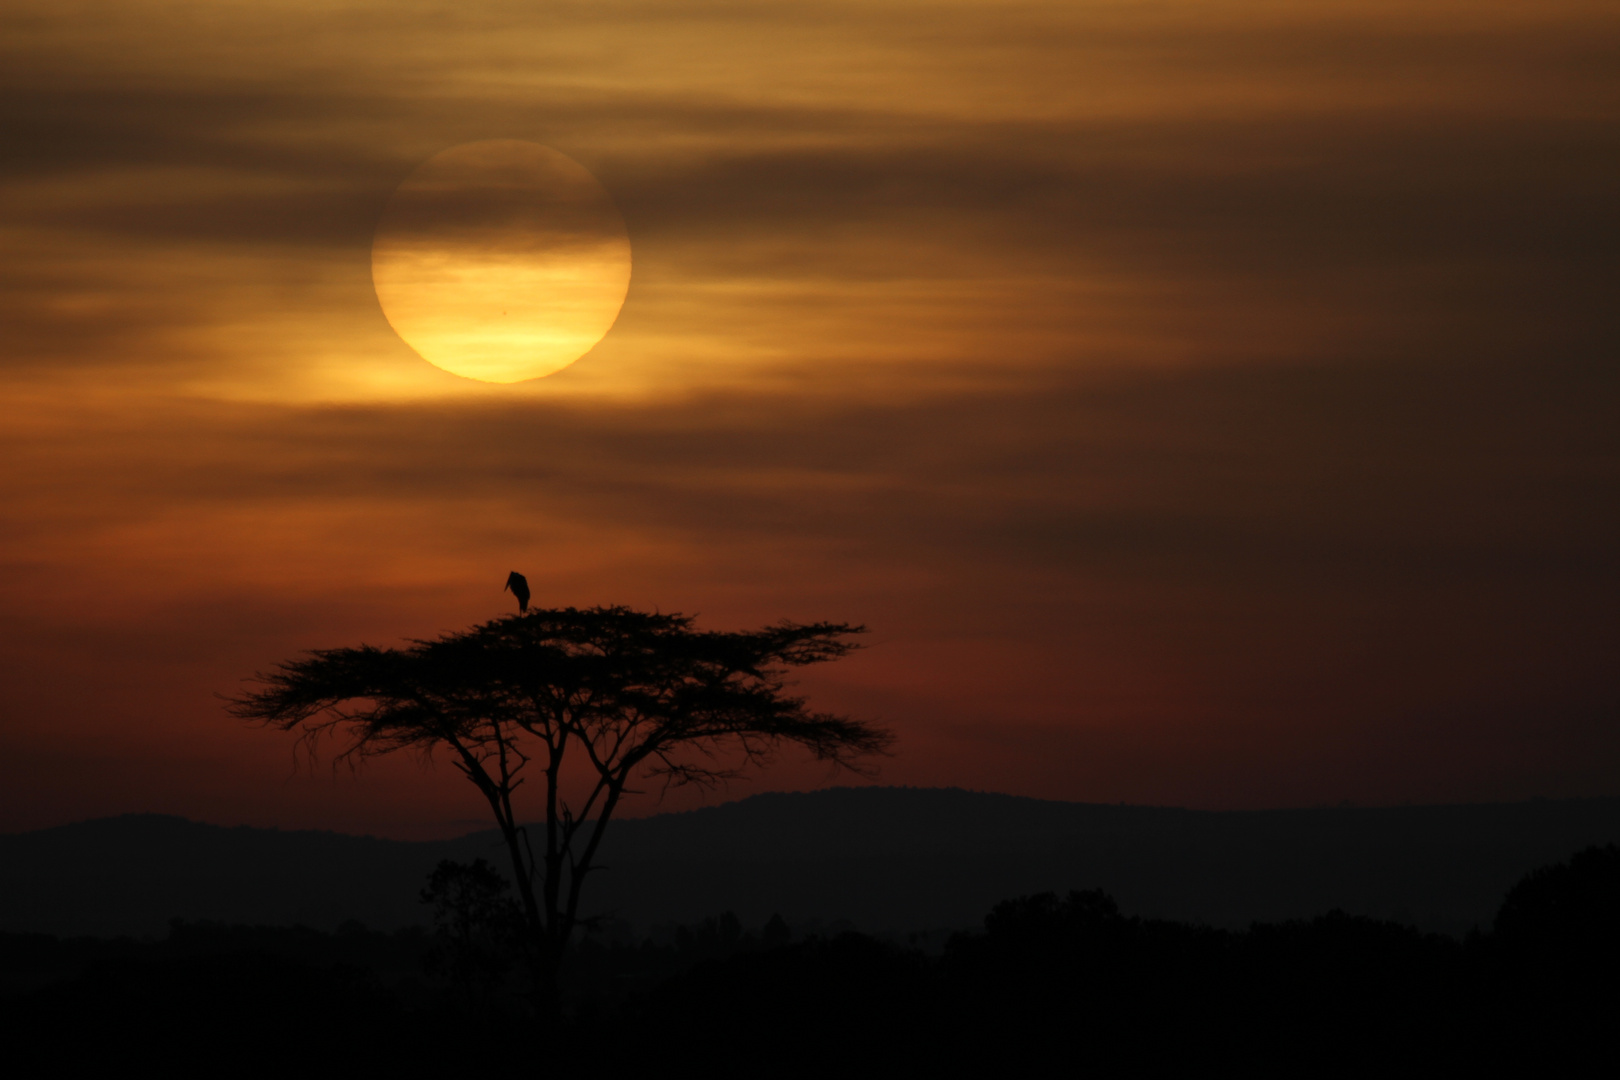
501, 260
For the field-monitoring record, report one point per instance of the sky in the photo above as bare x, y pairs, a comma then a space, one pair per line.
1202, 403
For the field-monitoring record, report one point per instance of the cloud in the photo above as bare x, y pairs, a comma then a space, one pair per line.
1149, 379
1268, 560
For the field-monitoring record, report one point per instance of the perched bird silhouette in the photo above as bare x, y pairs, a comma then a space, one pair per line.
520, 589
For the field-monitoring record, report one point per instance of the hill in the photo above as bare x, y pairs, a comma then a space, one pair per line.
885, 859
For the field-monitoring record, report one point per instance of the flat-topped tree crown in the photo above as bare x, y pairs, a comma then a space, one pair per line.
634, 694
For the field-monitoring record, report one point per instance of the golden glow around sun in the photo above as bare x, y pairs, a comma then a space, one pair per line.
501, 260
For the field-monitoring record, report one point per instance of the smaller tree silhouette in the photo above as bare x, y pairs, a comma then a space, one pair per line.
611, 692
477, 926
1560, 925
776, 933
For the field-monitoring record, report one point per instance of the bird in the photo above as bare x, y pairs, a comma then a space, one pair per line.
519, 585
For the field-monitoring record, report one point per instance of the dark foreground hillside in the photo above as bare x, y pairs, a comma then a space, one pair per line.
1067, 982
882, 859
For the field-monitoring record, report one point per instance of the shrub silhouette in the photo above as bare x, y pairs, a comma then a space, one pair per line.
1556, 952
1568, 912
477, 930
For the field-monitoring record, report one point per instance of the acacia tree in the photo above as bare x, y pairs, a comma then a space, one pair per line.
612, 692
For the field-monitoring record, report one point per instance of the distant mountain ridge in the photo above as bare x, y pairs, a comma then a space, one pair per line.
883, 858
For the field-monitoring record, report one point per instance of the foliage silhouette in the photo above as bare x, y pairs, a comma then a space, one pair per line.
1567, 912
1557, 939
617, 693
776, 933
477, 927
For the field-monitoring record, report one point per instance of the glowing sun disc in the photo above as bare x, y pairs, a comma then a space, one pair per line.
501, 260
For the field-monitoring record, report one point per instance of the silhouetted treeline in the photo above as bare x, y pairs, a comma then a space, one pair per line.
1074, 979
1070, 978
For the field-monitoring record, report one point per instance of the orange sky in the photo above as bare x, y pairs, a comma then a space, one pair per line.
1203, 403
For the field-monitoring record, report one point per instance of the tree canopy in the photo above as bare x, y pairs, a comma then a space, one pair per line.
615, 693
